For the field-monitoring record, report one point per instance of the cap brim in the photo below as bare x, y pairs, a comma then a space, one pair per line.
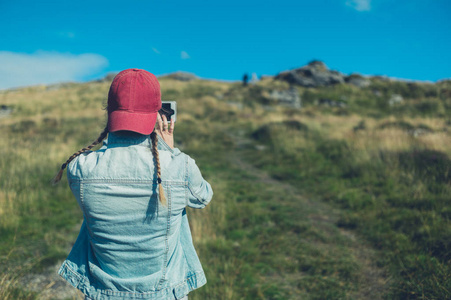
143, 123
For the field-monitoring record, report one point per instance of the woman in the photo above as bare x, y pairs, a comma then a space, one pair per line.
135, 241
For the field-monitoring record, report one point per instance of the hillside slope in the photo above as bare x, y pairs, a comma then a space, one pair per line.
345, 197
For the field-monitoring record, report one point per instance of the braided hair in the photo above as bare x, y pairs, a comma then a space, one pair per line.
101, 137
154, 139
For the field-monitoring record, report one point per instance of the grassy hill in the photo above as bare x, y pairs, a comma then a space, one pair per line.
346, 201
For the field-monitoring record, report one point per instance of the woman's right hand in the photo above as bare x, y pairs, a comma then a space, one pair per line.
165, 130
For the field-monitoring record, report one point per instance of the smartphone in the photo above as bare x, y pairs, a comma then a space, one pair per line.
169, 109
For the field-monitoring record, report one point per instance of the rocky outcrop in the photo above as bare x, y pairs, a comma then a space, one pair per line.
314, 74
317, 74
357, 80
288, 97
5, 111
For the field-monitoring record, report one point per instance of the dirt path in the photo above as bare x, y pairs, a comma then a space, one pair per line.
373, 281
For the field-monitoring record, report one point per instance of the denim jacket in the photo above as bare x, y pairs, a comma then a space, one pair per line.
130, 246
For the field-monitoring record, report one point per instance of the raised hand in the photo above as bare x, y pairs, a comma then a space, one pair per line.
165, 130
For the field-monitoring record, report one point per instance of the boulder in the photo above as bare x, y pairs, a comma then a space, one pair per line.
288, 97
314, 74
357, 80
395, 99
5, 111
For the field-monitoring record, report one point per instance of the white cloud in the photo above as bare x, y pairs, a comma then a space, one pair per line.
359, 5
156, 50
184, 55
45, 67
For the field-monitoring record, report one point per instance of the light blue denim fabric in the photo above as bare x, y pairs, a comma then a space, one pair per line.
130, 246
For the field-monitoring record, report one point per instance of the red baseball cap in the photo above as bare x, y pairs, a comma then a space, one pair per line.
133, 101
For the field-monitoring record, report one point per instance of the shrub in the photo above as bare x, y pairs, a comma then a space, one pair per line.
265, 132
428, 107
427, 164
335, 150
23, 126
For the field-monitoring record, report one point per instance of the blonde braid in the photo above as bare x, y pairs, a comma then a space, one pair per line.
101, 137
154, 138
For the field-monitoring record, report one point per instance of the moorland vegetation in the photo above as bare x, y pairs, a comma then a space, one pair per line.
326, 201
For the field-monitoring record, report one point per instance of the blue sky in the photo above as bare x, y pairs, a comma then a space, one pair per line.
52, 41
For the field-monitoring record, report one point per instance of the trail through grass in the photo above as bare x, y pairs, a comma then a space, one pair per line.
317, 203
315, 216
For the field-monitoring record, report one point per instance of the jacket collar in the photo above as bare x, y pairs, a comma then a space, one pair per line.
139, 139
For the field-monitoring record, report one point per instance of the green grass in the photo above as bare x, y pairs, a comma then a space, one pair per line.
318, 203
398, 201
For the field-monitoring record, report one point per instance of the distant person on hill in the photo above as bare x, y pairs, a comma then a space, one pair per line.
245, 79
135, 241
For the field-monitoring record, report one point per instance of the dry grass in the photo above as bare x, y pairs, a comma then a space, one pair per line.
47, 126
